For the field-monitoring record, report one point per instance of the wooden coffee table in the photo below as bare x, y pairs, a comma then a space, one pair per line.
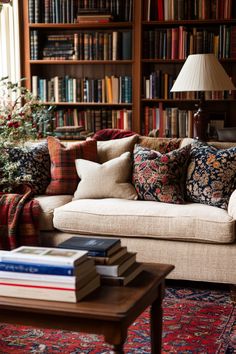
109, 310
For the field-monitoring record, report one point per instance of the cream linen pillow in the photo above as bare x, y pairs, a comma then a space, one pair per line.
110, 149
109, 180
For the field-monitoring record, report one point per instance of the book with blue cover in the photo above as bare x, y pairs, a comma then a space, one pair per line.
96, 247
17, 266
44, 255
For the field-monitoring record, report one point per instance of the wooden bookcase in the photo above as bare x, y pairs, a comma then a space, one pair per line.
140, 65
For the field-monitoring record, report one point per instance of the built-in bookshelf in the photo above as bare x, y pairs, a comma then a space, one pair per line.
79, 58
111, 64
171, 30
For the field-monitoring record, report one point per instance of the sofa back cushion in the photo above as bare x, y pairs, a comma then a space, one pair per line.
162, 145
64, 178
110, 149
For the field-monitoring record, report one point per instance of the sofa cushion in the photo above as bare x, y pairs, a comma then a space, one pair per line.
108, 180
110, 149
48, 204
162, 145
159, 176
64, 178
122, 217
211, 175
34, 161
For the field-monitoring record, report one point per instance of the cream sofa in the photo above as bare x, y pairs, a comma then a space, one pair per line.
198, 239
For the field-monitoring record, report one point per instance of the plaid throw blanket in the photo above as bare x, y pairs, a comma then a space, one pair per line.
19, 215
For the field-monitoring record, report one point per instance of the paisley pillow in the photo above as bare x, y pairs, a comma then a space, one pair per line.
160, 177
34, 161
211, 175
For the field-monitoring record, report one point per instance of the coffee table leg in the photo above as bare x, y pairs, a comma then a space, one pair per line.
118, 349
156, 316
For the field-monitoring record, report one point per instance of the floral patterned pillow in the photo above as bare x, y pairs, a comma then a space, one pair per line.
160, 177
211, 175
34, 161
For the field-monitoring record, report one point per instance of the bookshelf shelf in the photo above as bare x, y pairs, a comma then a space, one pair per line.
80, 62
77, 26
88, 104
204, 23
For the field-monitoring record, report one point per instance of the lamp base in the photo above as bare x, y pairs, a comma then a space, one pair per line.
200, 120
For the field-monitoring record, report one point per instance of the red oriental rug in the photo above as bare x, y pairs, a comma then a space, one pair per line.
196, 320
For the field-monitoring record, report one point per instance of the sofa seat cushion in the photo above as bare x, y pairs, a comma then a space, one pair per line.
120, 217
48, 204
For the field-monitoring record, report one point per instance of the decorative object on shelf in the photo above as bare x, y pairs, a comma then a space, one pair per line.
21, 118
202, 72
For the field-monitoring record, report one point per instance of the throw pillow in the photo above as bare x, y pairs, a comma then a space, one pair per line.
160, 177
211, 175
110, 149
34, 161
162, 145
64, 178
109, 180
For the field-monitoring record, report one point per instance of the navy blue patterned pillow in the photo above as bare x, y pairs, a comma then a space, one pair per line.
33, 161
211, 175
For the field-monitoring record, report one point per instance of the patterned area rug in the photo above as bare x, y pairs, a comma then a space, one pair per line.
196, 320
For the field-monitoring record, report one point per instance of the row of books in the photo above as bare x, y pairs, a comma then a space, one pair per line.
171, 10
158, 85
179, 42
66, 11
170, 122
115, 45
121, 10
67, 273
91, 120
110, 89
79, 124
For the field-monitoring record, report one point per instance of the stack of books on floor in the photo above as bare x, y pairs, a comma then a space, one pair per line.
47, 274
113, 262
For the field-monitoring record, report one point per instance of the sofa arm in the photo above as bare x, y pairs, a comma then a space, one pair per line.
232, 205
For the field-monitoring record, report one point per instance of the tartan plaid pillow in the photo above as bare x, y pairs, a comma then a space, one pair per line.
64, 178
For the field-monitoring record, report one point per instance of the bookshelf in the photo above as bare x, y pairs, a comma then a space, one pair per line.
158, 35
171, 30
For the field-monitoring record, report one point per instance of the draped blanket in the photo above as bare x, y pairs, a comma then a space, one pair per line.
19, 216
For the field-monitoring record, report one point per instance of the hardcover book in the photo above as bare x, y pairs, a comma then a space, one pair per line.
97, 247
44, 255
45, 270
51, 293
123, 280
120, 266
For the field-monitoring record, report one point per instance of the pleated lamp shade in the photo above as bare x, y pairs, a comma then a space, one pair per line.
202, 72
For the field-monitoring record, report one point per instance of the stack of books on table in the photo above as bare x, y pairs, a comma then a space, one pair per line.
47, 274
113, 262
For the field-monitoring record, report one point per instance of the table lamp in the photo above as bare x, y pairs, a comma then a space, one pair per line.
202, 72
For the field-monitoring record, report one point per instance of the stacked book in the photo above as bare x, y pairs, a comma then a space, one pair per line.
47, 274
60, 46
113, 262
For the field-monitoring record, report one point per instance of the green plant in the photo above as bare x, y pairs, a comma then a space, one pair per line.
22, 118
